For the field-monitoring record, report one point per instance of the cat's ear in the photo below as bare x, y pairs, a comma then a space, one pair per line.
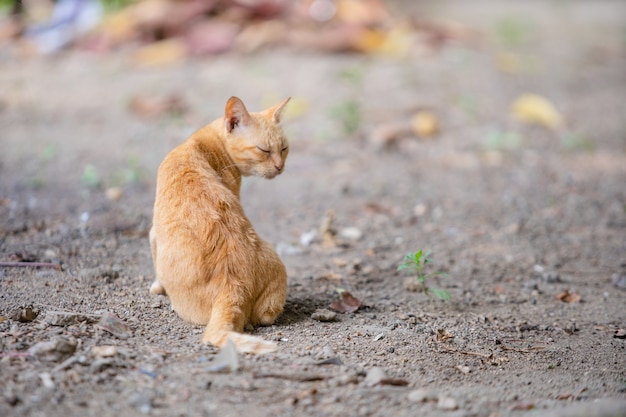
276, 111
235, 114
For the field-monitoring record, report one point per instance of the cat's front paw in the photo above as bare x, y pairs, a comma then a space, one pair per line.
157, 288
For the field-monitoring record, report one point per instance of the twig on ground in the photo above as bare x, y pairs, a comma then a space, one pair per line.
30, 264
300, 377
482, 355
15, 354
529, 350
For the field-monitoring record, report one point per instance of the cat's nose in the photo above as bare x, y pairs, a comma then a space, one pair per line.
279, 167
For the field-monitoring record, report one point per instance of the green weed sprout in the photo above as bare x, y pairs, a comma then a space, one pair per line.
416, 263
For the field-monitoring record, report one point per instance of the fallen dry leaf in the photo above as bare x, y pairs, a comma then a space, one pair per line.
535, 109
346, 304
328, 230
443, 335
151, 107
361, 12
161, 53
424, 124
211, 37
568, 297
523, 406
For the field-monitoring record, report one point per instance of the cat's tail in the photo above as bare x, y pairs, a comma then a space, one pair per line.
244, 343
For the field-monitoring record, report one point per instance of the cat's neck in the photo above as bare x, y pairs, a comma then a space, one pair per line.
210, 140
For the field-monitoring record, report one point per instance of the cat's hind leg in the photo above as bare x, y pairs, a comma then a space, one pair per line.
270, 303
271, 300
156, 287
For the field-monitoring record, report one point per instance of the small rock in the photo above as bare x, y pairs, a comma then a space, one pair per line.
463, 369
307, 238
105, 351
421, 396
46, 380
326, 352
61, 318
531, 285
375, 376
100, 364
619, 280
284, 248
420, 209
141, 400
54, 350
324, 315
447, 403
551, 277
113, 193
330, 361
114, 325
351, 233
226, 359
344, 379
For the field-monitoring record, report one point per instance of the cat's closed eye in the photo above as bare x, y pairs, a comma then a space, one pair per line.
263, 150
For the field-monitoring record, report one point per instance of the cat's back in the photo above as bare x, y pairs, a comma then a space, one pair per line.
184, 159
193, 179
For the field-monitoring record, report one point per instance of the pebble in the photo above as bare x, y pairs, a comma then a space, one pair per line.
226, 359
324, 315
46, 380
55, 350
447, 403
114, 325
141, 400
375, 376
307, 238
105, 351
100, 364
422, 395
327, 352
344, 379
114, 193
551, 277
619, 280
351, 233
61, 318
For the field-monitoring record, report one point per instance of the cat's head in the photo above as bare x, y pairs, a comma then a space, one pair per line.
255, 141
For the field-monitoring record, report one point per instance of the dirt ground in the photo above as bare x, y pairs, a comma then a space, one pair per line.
514, 215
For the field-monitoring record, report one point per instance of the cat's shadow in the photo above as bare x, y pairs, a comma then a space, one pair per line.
299, 309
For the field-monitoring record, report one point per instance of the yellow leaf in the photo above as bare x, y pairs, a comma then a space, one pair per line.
535, 109
120, 27
161, 53
424, 124
370, 40
398, 41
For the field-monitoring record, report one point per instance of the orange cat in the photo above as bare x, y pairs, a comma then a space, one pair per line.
208, 259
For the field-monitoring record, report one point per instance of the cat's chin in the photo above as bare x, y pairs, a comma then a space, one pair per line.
270, 175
